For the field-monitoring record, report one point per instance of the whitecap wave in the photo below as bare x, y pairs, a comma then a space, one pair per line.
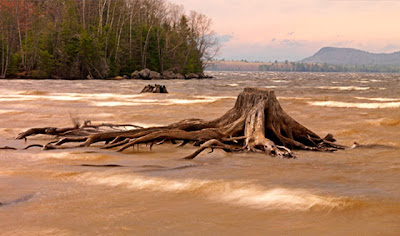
5, 111
380, 99
356, 105
109, 99
293, 98
235, 193
344, 88
162, 102
363, 81
279, 81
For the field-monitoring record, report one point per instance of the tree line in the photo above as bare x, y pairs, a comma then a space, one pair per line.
101, 38
324, 67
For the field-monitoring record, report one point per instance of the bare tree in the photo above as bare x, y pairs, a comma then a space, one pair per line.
205, 38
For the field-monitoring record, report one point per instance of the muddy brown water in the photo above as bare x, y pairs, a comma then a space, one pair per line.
143, 192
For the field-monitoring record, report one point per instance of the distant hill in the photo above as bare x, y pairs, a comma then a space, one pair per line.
350, 56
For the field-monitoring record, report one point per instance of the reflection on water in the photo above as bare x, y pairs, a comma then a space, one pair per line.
154, 192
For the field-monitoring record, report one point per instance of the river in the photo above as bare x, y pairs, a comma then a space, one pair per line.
347, 192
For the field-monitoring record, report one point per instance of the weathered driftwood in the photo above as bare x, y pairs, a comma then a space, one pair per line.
257, 123
157, 88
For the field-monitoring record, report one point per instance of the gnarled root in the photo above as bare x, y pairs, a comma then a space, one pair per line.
77, 130
213, 144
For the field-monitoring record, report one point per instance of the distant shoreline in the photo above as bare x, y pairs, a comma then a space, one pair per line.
299, 67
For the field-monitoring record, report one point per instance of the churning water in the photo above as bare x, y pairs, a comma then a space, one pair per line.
155, 192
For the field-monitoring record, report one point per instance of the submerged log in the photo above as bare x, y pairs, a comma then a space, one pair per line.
257, 123
7, 148
157, 88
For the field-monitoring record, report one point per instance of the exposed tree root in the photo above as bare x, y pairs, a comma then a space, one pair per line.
84, 130
256, 123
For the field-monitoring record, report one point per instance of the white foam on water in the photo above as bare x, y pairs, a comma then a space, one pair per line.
103, 99
356, 105
215, 97
344, 88
114, 104
162, 102
187, 101
293, 98
5, 111
279, 198
279, 81
145, 125
233, 85
380, 99
364, 81
6, 98
100, 96
234, 193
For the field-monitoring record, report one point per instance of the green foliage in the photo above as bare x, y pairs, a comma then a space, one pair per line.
38, 74
13, 64
46, 63
74, 39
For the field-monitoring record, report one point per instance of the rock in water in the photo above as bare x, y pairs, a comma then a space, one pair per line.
169, 75
135, 75
145, 74
154, 75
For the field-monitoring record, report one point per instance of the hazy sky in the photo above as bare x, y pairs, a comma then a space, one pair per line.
294, 29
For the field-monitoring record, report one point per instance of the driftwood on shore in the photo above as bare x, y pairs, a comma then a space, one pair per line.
257, 123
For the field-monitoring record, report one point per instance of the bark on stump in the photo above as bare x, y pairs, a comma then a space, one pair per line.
257, 123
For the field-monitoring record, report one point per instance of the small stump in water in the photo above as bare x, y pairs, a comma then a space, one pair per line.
157, 88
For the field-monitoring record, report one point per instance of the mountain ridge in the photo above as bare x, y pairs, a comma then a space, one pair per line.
351, 56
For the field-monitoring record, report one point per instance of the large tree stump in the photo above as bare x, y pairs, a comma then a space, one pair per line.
257, 123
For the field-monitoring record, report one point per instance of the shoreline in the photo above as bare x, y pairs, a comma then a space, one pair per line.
144, 74
112, 78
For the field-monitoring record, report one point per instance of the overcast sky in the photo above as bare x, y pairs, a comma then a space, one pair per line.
268, 30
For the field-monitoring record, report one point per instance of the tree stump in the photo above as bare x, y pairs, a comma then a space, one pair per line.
257, 123
157, 88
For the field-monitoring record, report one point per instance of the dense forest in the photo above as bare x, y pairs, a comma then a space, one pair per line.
324, 67
101, 38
